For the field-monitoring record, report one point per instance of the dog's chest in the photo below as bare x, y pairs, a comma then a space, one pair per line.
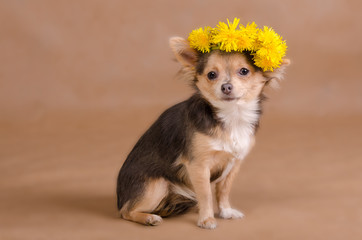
236, 141
237, 133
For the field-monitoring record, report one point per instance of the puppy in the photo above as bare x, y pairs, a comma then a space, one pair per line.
197, 142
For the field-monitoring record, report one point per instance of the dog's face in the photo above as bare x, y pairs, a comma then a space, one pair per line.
229, 77
225, 77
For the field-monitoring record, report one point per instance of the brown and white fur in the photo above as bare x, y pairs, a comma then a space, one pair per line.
197, 142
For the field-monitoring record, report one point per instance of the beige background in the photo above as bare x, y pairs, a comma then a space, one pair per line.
80, 81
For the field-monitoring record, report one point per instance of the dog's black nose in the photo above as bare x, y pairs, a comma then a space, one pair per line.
226, 88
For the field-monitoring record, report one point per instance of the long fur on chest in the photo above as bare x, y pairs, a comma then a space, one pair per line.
239, 123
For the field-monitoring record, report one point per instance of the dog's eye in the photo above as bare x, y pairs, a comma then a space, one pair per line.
212, 75
243, 71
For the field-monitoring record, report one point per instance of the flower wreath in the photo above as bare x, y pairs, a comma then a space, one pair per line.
265, 45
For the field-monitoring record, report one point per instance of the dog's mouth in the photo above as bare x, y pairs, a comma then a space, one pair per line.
229, 99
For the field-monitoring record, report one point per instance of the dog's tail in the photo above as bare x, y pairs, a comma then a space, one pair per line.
174, 204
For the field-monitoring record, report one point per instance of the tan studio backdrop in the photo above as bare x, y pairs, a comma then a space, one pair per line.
81, 80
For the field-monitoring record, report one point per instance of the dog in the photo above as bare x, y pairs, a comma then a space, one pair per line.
197, 142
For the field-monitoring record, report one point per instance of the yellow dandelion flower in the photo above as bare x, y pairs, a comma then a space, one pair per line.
268, 62
270, 49
247, 37
251, 29
200, 39
226, 35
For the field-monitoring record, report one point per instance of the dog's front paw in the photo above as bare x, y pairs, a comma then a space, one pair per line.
230, 213
153, 220
208, 223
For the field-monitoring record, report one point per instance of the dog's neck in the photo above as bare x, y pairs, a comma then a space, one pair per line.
238, 113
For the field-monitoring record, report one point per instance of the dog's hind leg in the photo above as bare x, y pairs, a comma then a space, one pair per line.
155, 191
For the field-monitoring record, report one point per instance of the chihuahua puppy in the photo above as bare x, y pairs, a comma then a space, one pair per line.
197, 142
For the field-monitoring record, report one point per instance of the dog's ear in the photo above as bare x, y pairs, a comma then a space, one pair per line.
183, 52
276, 76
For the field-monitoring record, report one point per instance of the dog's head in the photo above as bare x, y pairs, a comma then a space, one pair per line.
225, 76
